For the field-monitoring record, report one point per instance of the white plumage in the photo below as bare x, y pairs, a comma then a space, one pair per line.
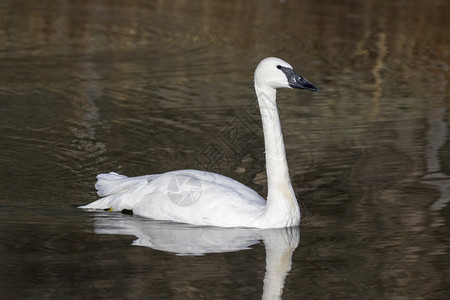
206, 198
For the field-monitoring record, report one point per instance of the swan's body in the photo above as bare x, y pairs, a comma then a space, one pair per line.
206, 198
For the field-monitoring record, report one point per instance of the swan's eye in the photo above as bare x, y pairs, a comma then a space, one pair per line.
278, 67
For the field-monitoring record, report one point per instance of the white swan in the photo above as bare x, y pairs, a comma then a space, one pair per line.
206, 198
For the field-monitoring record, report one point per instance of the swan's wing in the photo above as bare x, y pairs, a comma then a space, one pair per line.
200, 198
214, 180
189, 196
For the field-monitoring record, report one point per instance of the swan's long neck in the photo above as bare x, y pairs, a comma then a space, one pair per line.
282, 207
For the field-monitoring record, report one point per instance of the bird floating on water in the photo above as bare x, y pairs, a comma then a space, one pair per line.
209, 199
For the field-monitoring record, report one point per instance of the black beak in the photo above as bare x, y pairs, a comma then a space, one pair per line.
296, 81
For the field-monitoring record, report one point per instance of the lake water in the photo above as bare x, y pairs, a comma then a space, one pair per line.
142, 87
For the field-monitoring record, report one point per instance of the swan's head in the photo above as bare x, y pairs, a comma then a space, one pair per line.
276, 73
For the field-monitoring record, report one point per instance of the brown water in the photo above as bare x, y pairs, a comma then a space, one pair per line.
142, 87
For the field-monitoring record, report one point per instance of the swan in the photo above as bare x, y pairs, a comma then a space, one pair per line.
209, 199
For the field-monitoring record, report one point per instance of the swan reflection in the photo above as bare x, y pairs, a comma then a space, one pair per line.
184, 239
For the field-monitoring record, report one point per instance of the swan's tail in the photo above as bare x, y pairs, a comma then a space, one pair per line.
114, 187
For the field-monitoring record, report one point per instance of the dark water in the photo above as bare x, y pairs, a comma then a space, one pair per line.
142, 87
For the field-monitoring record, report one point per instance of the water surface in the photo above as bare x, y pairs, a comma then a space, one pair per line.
145, 87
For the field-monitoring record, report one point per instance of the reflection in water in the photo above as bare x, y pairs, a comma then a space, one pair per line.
437, 135
184, 239
87, 116
148, 86
382, 50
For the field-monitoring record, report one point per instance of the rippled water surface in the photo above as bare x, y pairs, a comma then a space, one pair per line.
142, 87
